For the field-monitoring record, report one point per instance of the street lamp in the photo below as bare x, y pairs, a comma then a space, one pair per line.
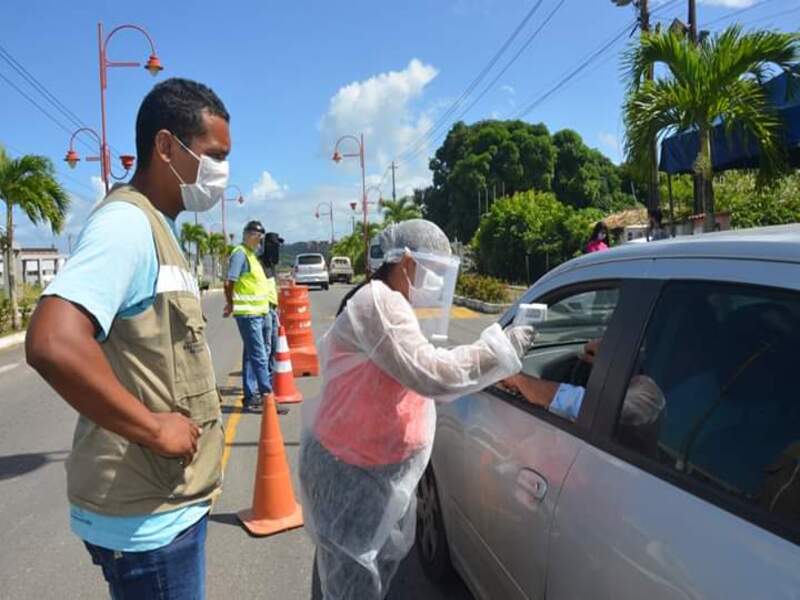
73, 158
337, 158
152, 66
238, 198
319, 214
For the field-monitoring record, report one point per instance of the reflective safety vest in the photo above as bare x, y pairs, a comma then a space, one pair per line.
252, 292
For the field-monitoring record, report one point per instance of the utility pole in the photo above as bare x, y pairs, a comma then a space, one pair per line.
693, 21
394, 190
653, 200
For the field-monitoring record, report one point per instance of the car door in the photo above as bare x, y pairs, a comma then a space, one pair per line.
690, 487
516, 455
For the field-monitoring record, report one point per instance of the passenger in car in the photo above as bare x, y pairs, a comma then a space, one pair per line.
641, 410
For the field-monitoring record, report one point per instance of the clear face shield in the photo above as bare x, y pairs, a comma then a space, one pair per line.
431, 288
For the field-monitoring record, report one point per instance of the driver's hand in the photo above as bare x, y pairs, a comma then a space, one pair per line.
510, 384
590, 351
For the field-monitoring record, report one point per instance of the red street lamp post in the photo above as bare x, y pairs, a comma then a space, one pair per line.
337, 157
73, 158
238, 198
153, 66
319, 214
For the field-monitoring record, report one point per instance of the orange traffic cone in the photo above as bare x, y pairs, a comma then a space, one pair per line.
274, 506
283, 377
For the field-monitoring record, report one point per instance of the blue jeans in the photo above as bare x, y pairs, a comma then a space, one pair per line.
175, 572
256, 335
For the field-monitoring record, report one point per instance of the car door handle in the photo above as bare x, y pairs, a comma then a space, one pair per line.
531, 485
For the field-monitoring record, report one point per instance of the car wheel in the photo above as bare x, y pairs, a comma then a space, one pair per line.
325, 286
432, 548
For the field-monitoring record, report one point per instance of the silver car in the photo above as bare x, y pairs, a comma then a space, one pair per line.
311, 269
695, 496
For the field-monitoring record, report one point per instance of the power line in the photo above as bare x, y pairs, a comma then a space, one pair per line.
475, 82
37, 85
572, 74
776, 15
36, 104
735, 13
497, 77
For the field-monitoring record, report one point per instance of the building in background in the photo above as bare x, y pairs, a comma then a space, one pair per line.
35, 266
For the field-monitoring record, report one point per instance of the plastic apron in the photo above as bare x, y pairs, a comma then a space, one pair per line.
367, 440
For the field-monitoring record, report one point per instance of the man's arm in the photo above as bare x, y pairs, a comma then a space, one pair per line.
228, 287
61, 346
536, 391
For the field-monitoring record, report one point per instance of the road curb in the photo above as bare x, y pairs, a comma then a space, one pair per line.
483, 307
12, 340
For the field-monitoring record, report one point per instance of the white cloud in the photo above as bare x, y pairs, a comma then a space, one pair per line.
382, 108
266, 188
508, 89
729, 3
98, 187
611, 144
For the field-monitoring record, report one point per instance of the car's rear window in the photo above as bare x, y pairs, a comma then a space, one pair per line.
340, 262
309, 260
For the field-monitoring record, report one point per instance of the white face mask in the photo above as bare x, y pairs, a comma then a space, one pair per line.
209, 187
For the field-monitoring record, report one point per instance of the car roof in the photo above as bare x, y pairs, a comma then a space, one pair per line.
311, 254
777, 244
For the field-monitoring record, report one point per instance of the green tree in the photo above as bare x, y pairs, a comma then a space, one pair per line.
400, 210
751, 206
217, 248
506, 157
525, 235
194, 234
352, 246
29, 183
717, 79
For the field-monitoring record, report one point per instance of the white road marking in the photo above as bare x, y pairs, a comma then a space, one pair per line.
7, 368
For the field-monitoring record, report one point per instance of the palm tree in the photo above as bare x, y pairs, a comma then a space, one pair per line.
194, 234
217, 247
718, 79
404, 209
29, 183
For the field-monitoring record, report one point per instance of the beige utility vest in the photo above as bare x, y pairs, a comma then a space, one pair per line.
162, 358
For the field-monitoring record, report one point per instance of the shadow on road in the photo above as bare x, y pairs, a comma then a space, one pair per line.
15, 465
225, 519
408, 582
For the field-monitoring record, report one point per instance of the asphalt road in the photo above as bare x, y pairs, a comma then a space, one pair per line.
41, 559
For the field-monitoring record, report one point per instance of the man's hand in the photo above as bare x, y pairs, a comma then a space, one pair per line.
228, 310
177, 436
510, 384
590, 351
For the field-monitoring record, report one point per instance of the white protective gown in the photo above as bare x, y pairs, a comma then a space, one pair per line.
367, 440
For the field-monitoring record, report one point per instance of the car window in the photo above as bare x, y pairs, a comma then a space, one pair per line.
375, 252
578, 318
557, 368
714, 393
309, 260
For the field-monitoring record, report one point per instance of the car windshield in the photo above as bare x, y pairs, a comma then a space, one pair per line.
309, 260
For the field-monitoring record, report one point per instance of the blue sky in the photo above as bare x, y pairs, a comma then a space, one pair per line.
296, 75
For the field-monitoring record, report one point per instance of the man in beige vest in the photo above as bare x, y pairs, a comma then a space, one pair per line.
120, 335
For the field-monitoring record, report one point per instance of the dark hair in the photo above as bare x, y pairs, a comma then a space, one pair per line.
382, 274
177, 105
597, 229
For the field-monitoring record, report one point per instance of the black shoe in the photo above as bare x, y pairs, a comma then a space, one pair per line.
253, 407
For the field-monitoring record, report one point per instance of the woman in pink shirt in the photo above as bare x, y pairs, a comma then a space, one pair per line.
599, 239
367, 440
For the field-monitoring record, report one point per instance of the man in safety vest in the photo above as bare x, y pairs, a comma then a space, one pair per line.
251, 297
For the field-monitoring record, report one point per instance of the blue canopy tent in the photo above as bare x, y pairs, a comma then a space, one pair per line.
737, 151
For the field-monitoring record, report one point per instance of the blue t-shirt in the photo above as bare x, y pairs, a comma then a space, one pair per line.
237, 265
112, 274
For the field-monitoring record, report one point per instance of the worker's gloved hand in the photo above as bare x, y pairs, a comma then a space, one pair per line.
521, 337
